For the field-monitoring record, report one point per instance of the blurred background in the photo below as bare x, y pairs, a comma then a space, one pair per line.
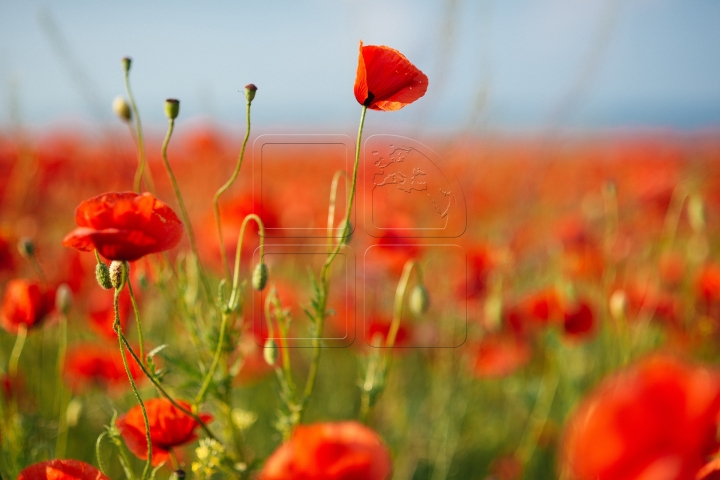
514, 65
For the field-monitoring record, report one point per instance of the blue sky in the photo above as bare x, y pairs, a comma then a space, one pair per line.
492, 64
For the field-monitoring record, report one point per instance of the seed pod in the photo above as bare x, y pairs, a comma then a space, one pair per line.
250, 90
102, 275
117, 274
126, 63
270, 352
26, 247
172, 108
419, 300
260, 276
63, 299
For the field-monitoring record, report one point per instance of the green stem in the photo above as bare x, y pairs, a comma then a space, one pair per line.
223, 189
98, 453
183, 211
140, 142
164, 392
324, 287
216, 360
62, 417
331, 209
138, 324
238, 253
118, 330
399, 302
16, 351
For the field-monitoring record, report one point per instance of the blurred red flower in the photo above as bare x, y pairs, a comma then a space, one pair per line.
386, 80
330, 451
101, 312
88, 365
124, 226
579, 321
657, 420
500, 355
169, 427
707, 283
61, 470
24, 303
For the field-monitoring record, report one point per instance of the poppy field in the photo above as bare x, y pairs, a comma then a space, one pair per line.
220, 304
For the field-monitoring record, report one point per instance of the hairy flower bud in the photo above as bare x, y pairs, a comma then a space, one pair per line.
117, 274
250, 90
172, 108
122, 109
419, 300
63, 299
260, 276
102, 275
270, 351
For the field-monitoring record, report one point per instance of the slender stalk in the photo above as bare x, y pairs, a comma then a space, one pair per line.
138, 323
98, 453
140, 142
234, 297
183, 211
324, 287
37, 268
164, 392
17, 351
224, 188
399, 301
331, 209
61, 442
118, 330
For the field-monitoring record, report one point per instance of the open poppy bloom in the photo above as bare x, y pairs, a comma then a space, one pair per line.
24, 303
169, 427
386, 80
657, 421
330, 451
61, 470
124, 226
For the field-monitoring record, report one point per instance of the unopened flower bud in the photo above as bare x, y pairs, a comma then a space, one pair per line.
250, 90
26, 247
419, 300
270, 351
117, 274
122, 109
102, 275
260, 276
63, 299
618, 305
172, 108
126, 63
178, 475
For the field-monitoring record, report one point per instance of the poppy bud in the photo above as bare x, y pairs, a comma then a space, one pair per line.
172, 108
618, 305
117, 274
122, 109
102, 275
250, 90
260, 276
63, 299
419, 300
126, 62
26, 247
178, 475
270, 351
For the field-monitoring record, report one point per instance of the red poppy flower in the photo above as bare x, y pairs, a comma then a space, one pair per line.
330, 451
61, 470
657, 421
124, 226
386, 80
579, 320
169, 427
500, 355
88, 365
24, 303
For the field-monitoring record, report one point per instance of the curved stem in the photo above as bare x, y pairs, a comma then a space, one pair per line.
17, 351
223, 189
164, 392
238, 253
140, 142
183, 211
331, 209
399, 301
98, 456
216, 360
138, 324
118, 330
